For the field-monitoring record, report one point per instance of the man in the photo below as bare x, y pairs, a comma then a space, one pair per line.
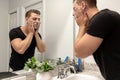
99, 34
24, 39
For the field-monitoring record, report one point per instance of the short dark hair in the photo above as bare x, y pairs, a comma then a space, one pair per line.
91, 3
28, 13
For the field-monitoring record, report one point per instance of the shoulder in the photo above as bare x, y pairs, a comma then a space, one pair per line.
106, 14
101, 24
14, 33
102, 14
14, 30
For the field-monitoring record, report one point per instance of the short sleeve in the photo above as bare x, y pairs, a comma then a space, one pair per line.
13, 34
101, 25
40, 35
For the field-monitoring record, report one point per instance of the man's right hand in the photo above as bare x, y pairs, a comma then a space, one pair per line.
82, 20
31, 28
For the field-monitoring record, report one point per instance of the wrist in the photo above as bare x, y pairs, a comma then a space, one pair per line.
82, 27
36, 34
31, 34
82, 30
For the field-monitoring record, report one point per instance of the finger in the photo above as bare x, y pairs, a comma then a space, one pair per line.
31, 24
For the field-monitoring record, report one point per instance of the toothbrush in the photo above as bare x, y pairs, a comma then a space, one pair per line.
66, 59
79, 64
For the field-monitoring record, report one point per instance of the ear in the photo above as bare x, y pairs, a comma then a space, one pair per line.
26, 20
83, 3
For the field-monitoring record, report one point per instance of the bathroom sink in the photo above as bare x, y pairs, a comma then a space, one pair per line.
79, 76
19, 78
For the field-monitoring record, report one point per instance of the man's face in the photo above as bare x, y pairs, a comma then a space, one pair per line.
77, 10
33, 20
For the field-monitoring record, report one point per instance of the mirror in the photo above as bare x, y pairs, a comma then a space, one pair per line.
58, 28
56, 25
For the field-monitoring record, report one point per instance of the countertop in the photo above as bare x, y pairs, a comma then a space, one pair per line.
93, 70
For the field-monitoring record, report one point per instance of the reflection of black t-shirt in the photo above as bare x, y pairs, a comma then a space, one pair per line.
106, 25
17, 60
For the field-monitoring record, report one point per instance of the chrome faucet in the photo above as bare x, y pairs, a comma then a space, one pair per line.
68, 69
78, 66
63, 72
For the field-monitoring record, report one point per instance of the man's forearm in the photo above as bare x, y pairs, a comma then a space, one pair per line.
23, 46
81, 32
40, 43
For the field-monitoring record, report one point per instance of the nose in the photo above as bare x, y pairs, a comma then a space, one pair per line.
37, 20
73, 13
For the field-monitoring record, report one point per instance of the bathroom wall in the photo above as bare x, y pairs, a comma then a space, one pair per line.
4, 52
58, 28
113, 5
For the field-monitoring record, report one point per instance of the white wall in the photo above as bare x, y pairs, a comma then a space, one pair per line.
19, 6
4, 53
58, 28
113, 4
13, 4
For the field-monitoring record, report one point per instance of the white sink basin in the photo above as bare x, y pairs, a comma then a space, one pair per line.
79, 77
19, 78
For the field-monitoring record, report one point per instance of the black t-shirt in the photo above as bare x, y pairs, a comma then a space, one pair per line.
17, 60
106, 25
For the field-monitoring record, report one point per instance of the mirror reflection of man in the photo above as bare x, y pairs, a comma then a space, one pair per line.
24, 39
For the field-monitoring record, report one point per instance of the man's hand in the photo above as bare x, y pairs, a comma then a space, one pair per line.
82, 20
33, 28
36, 27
